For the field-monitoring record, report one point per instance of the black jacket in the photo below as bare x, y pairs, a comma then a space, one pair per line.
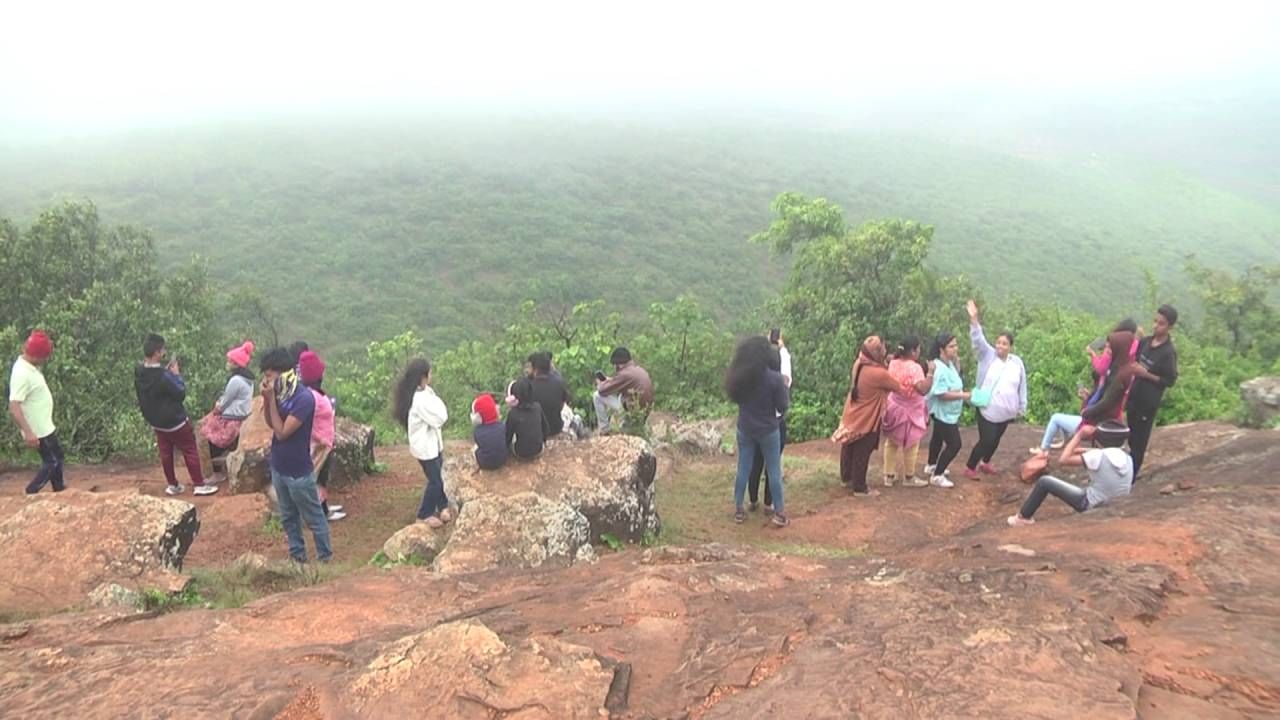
528, 427
551, 394
160, 397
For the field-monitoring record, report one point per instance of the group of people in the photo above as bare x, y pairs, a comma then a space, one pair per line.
538, 407
897, 396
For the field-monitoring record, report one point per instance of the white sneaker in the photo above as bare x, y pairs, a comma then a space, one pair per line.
928, 469
335, 508
215, 479
173, 490
205, 490
336, 514
941, 481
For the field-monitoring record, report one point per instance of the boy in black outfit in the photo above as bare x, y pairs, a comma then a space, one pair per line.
1157, 370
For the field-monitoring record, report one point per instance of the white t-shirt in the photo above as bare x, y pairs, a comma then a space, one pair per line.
785, 354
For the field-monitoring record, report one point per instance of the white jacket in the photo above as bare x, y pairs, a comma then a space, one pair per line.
427, 415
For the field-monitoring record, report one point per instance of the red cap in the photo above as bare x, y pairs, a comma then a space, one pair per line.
310, 367
486, 408
39, 346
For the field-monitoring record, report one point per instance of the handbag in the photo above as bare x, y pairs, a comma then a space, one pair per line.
981, 397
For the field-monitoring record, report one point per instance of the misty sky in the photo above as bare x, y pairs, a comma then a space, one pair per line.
68, 66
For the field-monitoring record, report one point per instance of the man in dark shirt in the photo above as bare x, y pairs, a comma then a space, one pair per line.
1157, 370
549, 391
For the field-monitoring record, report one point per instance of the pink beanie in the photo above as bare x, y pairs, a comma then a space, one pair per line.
240, 356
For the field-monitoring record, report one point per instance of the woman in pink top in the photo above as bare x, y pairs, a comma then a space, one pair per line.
905, 413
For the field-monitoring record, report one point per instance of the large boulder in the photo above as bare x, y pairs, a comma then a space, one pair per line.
1261, 397
60, 547
525, 530
607, 479
465, 670
247, 469
415, 544
704, 437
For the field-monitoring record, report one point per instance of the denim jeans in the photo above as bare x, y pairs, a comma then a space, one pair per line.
50, 465
1060, 422
300, 501
1072, 495
433, 497
771, 447
757, 467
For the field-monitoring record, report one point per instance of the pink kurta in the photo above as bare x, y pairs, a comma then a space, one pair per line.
904, 416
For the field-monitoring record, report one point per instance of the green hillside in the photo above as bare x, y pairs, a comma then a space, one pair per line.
358, 231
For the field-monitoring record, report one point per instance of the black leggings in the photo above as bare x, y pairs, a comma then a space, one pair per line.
1140, 425
989, 434
757, 468
948, 434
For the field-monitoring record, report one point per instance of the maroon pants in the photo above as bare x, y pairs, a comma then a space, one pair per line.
184, 438
854, 458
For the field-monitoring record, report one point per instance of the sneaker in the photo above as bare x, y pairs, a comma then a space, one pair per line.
1016, 520
173, 490
987, 468
889, 480
867, 493
780, 520
768, 509
928, 469
941, 481
971, 474
335, 508
913, 481
1037, 451
753, 506
205, 490
215, 479
740, 516
336, 514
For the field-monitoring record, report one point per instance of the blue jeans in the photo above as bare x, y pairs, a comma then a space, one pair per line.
300, 501
433, 497
1060, 422
771, 447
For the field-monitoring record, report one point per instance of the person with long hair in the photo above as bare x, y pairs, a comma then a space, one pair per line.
221, 427
761, 395
1107, 403
1110, 474
423, 414
906, 413
527, 426
863, 416
1004, 376
946, 401
782, 363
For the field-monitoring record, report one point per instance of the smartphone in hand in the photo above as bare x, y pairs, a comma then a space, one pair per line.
775, 334
600, 376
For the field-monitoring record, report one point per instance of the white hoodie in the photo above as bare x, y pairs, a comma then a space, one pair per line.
427, 416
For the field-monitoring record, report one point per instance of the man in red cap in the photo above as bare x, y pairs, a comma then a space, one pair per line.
31, 405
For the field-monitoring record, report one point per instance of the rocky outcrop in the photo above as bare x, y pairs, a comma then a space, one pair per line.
60, 547
525, 530
1261, 397
703, 437
416, 544
247, 469
609, 480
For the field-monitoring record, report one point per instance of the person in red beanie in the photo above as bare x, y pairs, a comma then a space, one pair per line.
323, 432
31, 405
490, 434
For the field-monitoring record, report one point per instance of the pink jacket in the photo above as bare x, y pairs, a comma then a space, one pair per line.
322, 430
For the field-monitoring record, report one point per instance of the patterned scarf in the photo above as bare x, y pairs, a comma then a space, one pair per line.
286, 385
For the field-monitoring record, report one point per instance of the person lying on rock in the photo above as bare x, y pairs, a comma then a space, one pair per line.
1110, 473
423, 414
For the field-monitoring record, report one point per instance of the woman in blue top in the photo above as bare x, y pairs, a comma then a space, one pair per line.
946, 400
762, 398
1003, 373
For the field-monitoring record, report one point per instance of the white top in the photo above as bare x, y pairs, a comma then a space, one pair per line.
785, 354
427, 415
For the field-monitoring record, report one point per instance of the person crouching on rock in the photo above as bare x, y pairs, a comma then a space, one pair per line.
527, 427
762, 398
1110, 474
289, 409
221, 427
423, 414
161, 394
864, 408
490, 434
311, 373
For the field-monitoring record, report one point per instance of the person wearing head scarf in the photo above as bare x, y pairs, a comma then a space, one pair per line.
221, 427
864, 407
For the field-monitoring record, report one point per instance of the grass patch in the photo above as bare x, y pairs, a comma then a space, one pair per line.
237, 585
272, 527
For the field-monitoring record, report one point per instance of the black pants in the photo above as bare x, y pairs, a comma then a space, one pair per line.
1047, 485
989, 435
757, 469
1140, 425
944, 446
50, 465
854, 458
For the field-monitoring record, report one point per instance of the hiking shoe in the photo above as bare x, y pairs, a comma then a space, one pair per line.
780, 520
987, 468
941, 481
740, 516
913, 481
173, 490
336, 514
205, 490
1017, 520
971, 474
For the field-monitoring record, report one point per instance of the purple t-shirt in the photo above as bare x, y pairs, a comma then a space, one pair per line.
292, 457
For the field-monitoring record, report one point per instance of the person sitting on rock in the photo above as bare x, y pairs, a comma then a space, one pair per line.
323, 431
289, 409
490, 433
423, 414
161, 397
629, 389
221, 427
549, 391
1110, 473
527, 426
